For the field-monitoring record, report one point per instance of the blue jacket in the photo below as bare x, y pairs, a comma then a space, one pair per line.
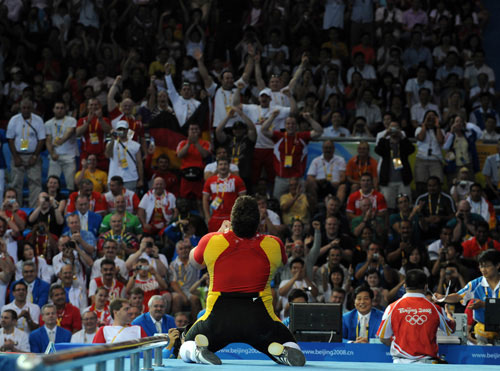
40, 291
145, 321
94, 223
350, 322
39, 339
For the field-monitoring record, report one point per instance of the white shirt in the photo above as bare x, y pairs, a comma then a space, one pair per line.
331, 132
84, 220
129, 200
45, 271
57, 129
117, 334
413, 86
51, 333
492, 137
368, 73
128, 150
81, 337
363, 323
433, 249
418, 111
256, 113
20, 339
22, 324
222, 100
18, 129
430, 142
183, 108
320, 168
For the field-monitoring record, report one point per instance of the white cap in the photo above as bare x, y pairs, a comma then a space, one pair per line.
122, 124
266, 91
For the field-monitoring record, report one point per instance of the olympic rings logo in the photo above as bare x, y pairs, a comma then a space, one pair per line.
416, 319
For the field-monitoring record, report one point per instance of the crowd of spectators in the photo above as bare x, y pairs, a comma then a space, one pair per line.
94, 82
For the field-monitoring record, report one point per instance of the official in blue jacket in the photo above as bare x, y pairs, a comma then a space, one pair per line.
155, 319
39, 289
361, 324
40, 338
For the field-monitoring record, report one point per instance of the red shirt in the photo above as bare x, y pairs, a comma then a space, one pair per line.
97, 202
133, 124
93, 139
239, 264
412, 322
472, 248
227, 190
354, 201
68, 318
294, 146
193, 157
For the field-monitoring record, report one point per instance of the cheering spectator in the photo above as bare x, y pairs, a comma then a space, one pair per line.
96, 199
157, 207
27, 312
90, 171
68, 316
107, 279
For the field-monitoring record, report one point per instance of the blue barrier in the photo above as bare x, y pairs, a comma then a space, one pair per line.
348, 352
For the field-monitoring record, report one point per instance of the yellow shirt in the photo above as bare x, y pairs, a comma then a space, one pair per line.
99, 178
300, 209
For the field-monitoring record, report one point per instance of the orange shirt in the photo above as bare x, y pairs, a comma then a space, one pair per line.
355, 168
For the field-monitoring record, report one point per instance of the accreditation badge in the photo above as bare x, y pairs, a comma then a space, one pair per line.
228, 108
398, 165
216, 203
329, 177
24, 144
94, 138
124, 163
288, 161
235, 160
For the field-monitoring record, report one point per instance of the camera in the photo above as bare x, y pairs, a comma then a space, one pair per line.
375, 257
142, 268
462, 183
114, 134
46, 198
70, 245
448, 272
149, 244
393, 129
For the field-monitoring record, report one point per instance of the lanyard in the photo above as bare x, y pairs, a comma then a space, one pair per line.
60, 318
121, 234
361, 172
237, 154
181, 282
330, 169
486, 292
286, 145
125, 150
123, 328
225, 97
59, 129
430, 204
27, 131
223, 186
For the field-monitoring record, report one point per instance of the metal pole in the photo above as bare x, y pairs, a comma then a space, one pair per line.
119, 364
100, 366
134, 362
147, 359
158, 357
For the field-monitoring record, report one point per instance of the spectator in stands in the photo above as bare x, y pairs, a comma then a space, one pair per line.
461, 185
162, 170
90, 171
101, 307
333, 263
183, 276
270, 222
369, 109
211, 168
489, 134
71, 252
87, 333
28, 313
127, 242
416, 53
472, 72
96, 199
480, 242
192, 151
124, 111
11, 338
89, 220
361, 324
38, 290
125, 159
147, 278
430, 138
117, 188
478, 290
294, 204
465, 222
110, 248
399, 248
360, 164
368, 217
26, 252
15, 217
93, 128
131, 222
76, 291
404, 213
47, 211
424, 105
107, 279
440, 246
26, 136
480, 205
395, 170
53, 188
240, 144
481, 113
149, 251
156, 321
85, 239
219, 194
68, 316
120, 330
359, 65
295, 296
490, 172
336, 118
157, 207
366, 191
50, 332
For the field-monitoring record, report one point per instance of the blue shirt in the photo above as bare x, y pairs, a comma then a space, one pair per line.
479, 289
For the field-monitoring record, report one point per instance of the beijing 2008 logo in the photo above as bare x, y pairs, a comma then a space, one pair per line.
416, 319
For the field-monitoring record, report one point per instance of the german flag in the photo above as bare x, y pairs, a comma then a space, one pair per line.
167, 132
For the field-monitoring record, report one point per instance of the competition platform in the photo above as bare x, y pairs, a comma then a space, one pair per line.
146, 354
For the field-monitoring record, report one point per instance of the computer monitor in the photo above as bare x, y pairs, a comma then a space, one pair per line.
321, 322
492, 315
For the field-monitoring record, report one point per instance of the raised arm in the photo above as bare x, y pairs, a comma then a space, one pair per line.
112, 93
207, 79
266, 125
298, 72
317, 129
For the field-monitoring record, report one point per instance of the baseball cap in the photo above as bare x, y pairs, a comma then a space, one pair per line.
122, 124
15, 70
265, 91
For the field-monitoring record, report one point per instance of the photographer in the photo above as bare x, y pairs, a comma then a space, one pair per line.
399, 248
11, 211
43, 241
450, 254
148, 279
395, 172
461, 185
47, 211
71, 254
149, 251
464, 223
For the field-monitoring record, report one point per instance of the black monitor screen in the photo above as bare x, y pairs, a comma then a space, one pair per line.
316, 321
492, 315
